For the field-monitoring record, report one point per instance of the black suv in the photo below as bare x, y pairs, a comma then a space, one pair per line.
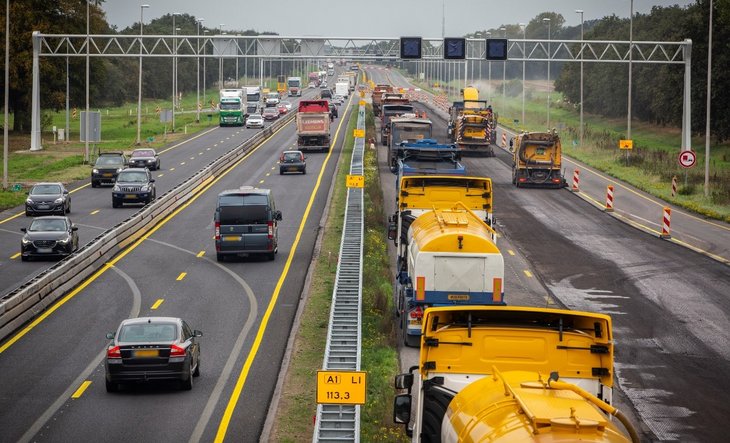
106, 168
134, 185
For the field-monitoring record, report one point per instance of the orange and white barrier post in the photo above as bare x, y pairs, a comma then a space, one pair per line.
666, 223
609, 198
504, 139
674, 186
576, 181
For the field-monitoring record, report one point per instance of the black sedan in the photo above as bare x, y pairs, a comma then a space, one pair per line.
49, 236
292, 161
48, 198
145, 158
152, 348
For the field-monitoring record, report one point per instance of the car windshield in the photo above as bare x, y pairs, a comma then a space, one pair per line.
45, 190
132, 177
269, 111
108, 160
143, 153
254, 117
147, 333
42, 225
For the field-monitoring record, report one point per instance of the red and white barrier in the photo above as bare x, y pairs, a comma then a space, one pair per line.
609, 198
504, 139
666, 219
576, 181
674, 186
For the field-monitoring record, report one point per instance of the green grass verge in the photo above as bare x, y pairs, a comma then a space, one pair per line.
297, 406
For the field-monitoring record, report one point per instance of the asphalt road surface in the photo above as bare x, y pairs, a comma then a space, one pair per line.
53, 376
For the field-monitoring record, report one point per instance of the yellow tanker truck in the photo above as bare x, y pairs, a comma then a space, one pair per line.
537, 160
512, 374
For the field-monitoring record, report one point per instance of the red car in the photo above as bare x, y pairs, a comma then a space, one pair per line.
271, 113
282, 109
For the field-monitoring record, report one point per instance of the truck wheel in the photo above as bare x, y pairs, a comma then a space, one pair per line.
409, 340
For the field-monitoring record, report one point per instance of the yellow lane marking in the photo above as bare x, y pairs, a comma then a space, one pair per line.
261, 181
200, 153
197, 192
181, 276
80, 391
94, 212
207, 149
268, 174
527, 273
14, 256
233, 400
510, 252
160, 175
182, 163
157, 303
172, 169
201, 253
273, 167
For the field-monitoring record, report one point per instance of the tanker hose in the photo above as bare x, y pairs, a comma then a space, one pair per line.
554, 384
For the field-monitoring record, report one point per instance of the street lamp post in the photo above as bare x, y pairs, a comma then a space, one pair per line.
6, 90
205, 91
174, 68
504, 71
197, 77
220, 60
580, 11
631, 59
139, 82
707, 117
86, 116
547, 20
524, 56
489, 89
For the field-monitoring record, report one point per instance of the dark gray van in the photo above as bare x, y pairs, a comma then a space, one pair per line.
246, 223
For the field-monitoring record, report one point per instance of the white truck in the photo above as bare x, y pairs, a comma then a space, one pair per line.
342, 88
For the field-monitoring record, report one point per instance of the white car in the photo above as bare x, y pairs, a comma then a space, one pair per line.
255, 121
311, 85
272, 99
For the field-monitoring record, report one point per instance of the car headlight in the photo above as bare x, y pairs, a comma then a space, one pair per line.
116, 188
95, 171
64, 241
119, 170
144, 188
150, 161
29, 201
25, 241
58, 201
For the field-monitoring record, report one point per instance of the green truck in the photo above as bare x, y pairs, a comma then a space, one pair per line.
232, 107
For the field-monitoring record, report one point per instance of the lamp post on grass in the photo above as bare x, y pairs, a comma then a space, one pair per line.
580, 11
139, 82
547, 20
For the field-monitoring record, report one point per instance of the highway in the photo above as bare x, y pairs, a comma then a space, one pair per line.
244, 308
669, 304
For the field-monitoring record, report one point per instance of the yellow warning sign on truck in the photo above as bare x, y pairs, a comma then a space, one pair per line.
341, 387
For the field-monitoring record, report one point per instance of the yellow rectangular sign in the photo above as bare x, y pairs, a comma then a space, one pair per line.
355, 181
341, 387
361, 102
358, 133
626, 144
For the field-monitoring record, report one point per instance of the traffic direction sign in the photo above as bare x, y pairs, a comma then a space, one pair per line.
687, 159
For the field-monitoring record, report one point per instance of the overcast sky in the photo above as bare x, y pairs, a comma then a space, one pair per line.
371, 18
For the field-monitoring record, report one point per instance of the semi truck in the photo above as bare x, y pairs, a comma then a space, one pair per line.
232, 107
342, 89
451, 259
313, 125
512, 374
295, 86
393, 105
377, 96
472, 124
537, 160
253, 99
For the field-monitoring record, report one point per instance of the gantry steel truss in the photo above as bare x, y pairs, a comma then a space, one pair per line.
355, 49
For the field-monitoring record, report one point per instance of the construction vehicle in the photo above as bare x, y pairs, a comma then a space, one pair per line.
472, 124
295, 86
512, 374
313, 125
406, 129
377, 97
451, 259
427, 157
281, 86
393, 105
232, 107
537, 160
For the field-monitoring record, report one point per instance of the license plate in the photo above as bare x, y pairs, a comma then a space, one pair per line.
42, 206
231, 238
458, 297
108, 174
146, 353
44, 250
414, 322
130, 196
293, 169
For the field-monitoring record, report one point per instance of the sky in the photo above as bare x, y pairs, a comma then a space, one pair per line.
371, 18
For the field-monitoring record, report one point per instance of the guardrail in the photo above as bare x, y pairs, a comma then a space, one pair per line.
341, 423
32, 297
